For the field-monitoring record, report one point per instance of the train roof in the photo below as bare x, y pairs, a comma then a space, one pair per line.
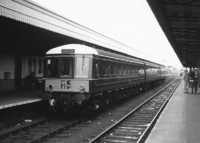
72, 49
83, 49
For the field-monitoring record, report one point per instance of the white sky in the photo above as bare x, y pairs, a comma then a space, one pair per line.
128, 21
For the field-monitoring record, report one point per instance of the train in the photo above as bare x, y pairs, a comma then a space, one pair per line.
79, 76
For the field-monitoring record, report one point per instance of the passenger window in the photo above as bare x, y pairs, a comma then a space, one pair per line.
108, 69
115, 69
121, 69
111, 69
101, 69
97, 69
130, 70
105, 69
127, 70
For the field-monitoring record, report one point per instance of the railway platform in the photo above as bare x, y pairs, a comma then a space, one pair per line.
16, 98
179, 121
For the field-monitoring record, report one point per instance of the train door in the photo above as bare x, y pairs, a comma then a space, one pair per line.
18, 73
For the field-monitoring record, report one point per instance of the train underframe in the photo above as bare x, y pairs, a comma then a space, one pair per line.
64, 102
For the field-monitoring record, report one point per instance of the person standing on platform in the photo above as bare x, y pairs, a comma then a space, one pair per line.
185, 81
192, 80
196, 80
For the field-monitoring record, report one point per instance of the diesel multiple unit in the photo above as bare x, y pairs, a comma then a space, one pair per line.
79, 76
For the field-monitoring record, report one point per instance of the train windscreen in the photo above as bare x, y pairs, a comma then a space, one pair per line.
82, 67
60, 67
52, 67
66, 70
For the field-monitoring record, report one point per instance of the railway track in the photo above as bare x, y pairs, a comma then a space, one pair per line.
52, 130
135, 126
39, 131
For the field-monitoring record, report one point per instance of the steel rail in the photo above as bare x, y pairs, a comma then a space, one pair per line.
42, 136
59, 130
26, 127
98, 137
148, 129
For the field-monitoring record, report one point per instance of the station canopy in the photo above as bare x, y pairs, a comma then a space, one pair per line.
28, 28
180, 21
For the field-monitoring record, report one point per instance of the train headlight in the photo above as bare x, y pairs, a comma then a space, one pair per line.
51, 88
52, 102
82, 89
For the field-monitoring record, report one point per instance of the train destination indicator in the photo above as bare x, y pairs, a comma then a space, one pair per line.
68, 51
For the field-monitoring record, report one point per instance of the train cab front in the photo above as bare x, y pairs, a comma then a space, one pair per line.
67, 79
67, 92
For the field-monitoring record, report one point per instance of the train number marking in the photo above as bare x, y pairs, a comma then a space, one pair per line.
62, 84
68, 84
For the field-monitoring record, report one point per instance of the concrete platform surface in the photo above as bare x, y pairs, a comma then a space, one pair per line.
16, 98
180, 120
